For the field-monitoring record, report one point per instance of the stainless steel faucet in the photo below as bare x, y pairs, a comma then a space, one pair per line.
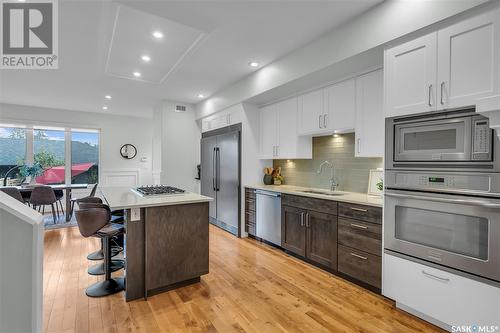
333, 185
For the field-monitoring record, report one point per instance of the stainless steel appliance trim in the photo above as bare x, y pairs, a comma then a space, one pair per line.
269, 194
482, 203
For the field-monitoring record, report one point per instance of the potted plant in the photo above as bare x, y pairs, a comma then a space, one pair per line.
31, 171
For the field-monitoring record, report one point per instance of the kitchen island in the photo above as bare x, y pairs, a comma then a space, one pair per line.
166, 240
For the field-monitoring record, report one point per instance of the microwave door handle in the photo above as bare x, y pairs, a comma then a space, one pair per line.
480, 203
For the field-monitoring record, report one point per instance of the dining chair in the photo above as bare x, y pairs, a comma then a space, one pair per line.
43, 196
59, 195
13, 192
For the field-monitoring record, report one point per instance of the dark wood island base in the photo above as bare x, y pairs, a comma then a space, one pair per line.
166, 248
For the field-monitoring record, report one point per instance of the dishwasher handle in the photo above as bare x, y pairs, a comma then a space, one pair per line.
269, 194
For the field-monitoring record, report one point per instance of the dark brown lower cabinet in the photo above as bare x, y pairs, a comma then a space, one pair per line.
310, 234
363, 266
293, 232
322, 238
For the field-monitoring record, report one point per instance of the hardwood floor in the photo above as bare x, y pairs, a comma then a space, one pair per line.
251, 288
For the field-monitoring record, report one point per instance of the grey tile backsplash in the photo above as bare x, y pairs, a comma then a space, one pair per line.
351, 173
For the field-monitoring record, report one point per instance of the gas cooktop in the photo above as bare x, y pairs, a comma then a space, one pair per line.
156, 190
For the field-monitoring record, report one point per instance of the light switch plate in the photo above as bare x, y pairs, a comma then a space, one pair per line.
135, 214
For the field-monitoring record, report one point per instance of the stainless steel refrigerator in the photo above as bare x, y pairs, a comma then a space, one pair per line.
220, 177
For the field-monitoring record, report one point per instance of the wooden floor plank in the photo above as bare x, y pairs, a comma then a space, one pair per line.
251, 287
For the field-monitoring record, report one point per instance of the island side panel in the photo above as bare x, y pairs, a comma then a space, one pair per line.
176, 244
134, 257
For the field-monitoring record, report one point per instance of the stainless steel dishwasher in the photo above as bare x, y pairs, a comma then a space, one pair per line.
268, 223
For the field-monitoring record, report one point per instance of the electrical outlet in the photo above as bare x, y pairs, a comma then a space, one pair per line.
135, 214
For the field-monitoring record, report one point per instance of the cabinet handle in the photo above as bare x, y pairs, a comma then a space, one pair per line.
359, 144
435, 276
308, 222
324, 120
430, 92
359, 209
358, 226
319, 121
442, 92
302, 219
358, 256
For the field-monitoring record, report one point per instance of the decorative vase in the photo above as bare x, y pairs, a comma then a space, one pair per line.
268, 179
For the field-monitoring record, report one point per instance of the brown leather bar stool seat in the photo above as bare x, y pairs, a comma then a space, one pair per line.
115, 265
95, 221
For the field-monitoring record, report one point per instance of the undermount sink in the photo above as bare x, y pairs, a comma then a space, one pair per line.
323, 193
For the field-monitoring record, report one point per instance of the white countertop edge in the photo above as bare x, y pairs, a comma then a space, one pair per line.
349, 197
159, 204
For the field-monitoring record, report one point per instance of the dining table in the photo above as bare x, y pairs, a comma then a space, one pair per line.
65, 187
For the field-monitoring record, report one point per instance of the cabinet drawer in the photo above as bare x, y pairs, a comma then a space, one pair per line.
360, 265
447, 297
318, 205
360, 235
361, 212
250, 205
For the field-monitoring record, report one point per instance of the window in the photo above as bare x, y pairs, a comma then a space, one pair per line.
84, 157
12, 153
67, 156
48, 151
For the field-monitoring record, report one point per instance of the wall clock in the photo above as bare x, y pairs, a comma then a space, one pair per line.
128, 151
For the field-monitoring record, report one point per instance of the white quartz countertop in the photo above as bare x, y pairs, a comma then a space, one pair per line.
351, 197
124, 197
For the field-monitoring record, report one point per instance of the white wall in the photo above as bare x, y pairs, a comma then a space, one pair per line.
21, 272
180, 151
116, 130
378, 26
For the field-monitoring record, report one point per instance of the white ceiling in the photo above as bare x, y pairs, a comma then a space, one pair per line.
233, 33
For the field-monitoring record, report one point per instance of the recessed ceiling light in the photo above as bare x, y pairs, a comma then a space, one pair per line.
157, 34
137, 74
104, 107
253, 64
146, 58
201, 96
108, 97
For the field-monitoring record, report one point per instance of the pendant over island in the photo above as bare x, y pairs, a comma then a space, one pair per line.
166, 239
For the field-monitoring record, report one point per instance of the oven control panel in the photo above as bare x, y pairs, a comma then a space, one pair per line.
481, 140
436, 181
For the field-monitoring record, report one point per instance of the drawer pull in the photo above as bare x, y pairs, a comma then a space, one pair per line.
358, 226
358, 256
359, 209
435, 276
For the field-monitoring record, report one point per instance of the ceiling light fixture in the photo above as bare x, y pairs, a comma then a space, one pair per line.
146, 58
104, 107
157, 34
201, 96
253, 64
137, 74
108, 97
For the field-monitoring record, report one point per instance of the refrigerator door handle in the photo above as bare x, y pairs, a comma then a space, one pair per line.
217, 170
213, 169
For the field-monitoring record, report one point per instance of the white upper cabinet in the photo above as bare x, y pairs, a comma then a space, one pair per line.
268, 133
340, 106
311, 112
410, 77
448, 69
468, 61
370, 124
279, 135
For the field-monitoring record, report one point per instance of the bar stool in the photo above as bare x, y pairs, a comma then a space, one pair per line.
95, 222
74, 201
115, 265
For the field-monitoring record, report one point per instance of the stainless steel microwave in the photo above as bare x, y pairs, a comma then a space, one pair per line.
458, 139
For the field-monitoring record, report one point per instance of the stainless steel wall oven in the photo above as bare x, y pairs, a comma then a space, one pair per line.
442, 191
